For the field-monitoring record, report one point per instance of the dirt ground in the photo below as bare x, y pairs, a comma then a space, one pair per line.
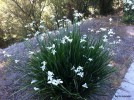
124, 55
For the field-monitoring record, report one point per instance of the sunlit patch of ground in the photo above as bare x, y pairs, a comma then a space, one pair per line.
130, 30
2, 64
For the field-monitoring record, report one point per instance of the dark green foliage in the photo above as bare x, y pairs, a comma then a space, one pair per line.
67, 7
71, 54
128, 13
81, 5
105, 7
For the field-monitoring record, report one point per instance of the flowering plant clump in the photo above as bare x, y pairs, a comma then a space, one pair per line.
129, 12
72, 66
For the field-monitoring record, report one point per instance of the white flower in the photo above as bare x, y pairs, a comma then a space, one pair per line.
53, 52
118, 37
63, 41
110, 65
79, 68
50, 81
31, 1
36, 33
101, 47
31, 24
126, 9
73, 68
89, 29
76, 14
50, 78
44, 63
84, 56
67, 38
38, 51
129, 2
82, 40
83, 20
64, 17
43, 67
26, 26
110, 35
31, 52
105, 36
84, 36
54, 82
50, 73
110, 19
83, 47
119, 40
90, 59
85, 85
41, 21
90, 18
53, 46
105, 40
71, 32
41, 26
133, 7
78, 23
42, 37
92, 30
91, 47
49, 48
16, 61
29, 34
103, 29
70, 40
78, 71
59, 81
98, 31
36, 89
110, 32
52, 16
81, 74
33, 81
6, 54
49, 32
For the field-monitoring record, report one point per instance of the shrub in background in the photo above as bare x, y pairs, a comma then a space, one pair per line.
105, 7
18, 13
69, 66
128, 16
66, 8
15, 14
82, 6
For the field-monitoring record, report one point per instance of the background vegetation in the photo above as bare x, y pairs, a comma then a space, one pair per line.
129, 12
15, 14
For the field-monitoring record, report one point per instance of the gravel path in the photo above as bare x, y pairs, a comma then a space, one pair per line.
126, 89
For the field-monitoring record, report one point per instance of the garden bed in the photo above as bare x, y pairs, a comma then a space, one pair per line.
123, 56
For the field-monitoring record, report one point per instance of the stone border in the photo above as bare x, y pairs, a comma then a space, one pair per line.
126, 90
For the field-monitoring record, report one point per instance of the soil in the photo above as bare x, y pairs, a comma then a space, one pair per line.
124, 55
